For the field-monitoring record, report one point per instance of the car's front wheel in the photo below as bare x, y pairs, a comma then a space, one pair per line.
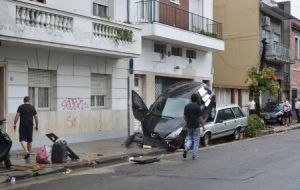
206, 139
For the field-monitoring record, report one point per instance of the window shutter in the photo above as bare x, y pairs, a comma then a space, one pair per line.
39, 78
99, 84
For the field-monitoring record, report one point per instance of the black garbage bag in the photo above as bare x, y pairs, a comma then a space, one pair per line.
5, 145
59, 152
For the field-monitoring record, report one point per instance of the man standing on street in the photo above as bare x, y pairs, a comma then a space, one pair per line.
297, 109
251, 106
193, 118
26, 113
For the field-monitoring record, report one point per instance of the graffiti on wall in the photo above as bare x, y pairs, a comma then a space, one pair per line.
71, 104
72, 120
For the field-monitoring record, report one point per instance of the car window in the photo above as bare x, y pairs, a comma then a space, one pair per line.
237, 111
225, 114
229, 114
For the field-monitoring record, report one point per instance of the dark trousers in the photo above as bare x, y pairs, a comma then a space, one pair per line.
297, 114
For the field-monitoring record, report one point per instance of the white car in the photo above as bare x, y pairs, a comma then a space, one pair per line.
228, 120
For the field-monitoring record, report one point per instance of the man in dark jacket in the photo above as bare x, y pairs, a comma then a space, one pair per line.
193, 118
26, 113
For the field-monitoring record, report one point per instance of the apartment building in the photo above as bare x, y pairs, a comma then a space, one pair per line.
72, 59
295, 68
245, 25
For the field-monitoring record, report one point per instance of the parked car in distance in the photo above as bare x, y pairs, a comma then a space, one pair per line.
228, 121
272, 112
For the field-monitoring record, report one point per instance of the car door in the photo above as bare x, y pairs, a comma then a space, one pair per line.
241, 119
218, 127
229, 123
139, 108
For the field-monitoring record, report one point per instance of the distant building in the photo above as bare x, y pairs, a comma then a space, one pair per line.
245, 25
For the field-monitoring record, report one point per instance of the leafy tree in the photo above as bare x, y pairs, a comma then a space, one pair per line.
262, 81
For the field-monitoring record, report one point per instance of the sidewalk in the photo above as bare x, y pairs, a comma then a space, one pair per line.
90, 153
95, 153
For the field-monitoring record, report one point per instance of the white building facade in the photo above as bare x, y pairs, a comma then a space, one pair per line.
79, 61
178, 38
72, 59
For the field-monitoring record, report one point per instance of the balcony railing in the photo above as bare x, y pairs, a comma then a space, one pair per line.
43, 19
154, 11
279, 52
33, 23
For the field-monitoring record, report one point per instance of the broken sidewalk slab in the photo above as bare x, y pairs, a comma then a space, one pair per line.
46, 171
145, 159
21, 174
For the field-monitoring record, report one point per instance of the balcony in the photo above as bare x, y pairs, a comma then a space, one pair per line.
163, 22
37, 24
278, 53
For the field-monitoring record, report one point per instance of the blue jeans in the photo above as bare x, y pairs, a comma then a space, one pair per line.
193, 138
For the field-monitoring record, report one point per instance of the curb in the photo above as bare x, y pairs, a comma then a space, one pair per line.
18, 175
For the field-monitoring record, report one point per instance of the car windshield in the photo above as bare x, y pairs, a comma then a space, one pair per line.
169, 107
269, 107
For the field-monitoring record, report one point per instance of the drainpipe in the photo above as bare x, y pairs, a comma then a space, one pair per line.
128, 11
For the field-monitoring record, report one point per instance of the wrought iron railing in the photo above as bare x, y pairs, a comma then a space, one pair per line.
154, 11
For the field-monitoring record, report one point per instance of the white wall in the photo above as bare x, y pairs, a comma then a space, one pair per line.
151, 61
73, 75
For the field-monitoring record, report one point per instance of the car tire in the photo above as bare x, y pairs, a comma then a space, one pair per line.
237, 134
206, 139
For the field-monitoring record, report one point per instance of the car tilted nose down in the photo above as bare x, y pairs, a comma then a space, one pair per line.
163, 123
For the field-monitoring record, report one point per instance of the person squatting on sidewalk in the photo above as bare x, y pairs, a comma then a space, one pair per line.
297, 109
26, 113
193, 118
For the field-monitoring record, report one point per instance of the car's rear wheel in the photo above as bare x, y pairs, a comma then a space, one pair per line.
237, 134
206, 139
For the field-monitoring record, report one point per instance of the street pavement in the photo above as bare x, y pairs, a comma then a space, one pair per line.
92, 154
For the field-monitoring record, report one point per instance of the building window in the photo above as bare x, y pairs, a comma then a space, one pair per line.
99, 90
191, 54
40, 1
39, 88
177, 51
175, 1
297, 49
100, 10
160, 48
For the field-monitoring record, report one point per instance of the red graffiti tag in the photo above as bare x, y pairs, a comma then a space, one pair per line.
74, 104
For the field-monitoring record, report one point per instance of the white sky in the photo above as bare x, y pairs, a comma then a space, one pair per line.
295, 6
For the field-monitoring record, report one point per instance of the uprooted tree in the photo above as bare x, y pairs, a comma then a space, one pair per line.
261, 81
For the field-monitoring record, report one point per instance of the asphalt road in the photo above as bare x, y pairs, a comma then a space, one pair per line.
269, 162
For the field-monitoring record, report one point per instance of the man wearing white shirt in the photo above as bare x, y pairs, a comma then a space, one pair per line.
251, 106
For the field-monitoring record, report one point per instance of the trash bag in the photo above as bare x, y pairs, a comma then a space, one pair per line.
43, 155
59, 152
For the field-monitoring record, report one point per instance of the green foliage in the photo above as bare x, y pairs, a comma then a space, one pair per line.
123, 35
211, 34
262, 81
254, 126
104, 17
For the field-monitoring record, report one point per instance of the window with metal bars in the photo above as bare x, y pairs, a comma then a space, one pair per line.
99, 90
191, 54
176, 51
39, 87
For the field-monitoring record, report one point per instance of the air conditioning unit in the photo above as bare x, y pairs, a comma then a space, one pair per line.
266, 21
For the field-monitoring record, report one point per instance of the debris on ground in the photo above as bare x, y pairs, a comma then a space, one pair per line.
145, 159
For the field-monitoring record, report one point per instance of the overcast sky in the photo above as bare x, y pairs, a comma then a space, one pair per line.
295, 5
